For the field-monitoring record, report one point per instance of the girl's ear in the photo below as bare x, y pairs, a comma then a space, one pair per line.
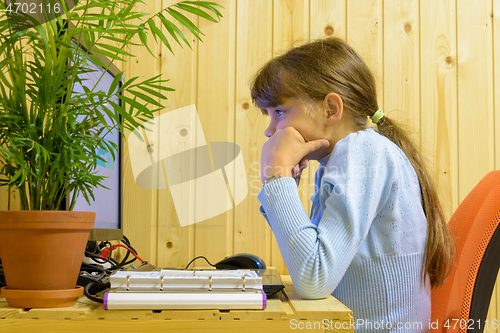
334, 107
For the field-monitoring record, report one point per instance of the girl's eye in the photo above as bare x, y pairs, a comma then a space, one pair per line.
279, 112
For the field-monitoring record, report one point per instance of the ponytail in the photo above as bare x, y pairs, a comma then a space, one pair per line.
440, 244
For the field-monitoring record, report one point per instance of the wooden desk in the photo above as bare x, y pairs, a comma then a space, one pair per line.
285, 312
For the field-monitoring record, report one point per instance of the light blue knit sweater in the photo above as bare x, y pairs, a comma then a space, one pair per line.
364, 241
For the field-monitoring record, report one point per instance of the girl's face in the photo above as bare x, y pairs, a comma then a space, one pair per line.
308, 118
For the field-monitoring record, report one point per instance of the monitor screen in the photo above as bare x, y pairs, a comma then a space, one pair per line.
107, 203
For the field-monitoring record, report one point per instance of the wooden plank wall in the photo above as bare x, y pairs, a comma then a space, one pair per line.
436, 72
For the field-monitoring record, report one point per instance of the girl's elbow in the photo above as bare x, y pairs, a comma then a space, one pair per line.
312, 291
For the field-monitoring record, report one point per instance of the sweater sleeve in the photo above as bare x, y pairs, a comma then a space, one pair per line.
356, 184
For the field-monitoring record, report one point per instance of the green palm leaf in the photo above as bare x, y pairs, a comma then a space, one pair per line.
48, 134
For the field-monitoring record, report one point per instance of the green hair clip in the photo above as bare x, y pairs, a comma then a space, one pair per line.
379, 114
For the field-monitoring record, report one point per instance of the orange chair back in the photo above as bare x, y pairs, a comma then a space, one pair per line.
473, 225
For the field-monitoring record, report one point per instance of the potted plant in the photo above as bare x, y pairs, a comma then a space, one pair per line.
49, 134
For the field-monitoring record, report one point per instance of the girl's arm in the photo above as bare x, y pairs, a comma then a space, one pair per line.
353, 193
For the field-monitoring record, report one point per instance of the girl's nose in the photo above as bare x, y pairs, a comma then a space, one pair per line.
270, 130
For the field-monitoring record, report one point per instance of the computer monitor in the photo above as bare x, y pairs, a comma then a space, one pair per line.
107, 203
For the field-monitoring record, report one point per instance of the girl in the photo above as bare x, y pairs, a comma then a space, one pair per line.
376, 237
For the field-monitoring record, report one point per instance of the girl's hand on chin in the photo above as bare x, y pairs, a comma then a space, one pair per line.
284, 150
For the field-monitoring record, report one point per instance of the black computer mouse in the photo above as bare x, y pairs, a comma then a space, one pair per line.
241, 261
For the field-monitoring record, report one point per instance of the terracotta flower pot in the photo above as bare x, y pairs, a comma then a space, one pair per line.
41, 253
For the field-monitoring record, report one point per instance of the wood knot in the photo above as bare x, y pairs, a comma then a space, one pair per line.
170, 245
448, 60
407, 28
245, 106
329, 30
183, 132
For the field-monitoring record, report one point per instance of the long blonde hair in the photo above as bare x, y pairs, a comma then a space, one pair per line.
330, 65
